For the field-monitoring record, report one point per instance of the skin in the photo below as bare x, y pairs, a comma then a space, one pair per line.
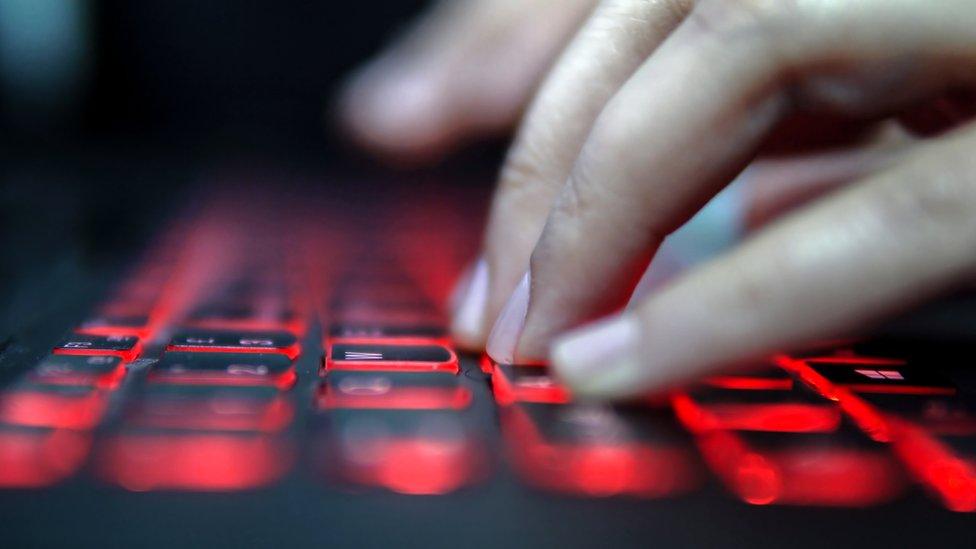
652, 108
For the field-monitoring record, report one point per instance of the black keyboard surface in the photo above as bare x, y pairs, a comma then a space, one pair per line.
271, 376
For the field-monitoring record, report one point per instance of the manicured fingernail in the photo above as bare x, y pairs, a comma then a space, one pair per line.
600, 360
508, 328
467, 324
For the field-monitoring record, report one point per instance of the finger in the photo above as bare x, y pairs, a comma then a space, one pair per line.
699, 109
868, 250
773, 186
464, 69
609, 47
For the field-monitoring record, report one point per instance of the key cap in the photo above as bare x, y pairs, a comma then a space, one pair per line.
105, 372
356, 356
224, 369
202, 408
864, 375
37, 458
391, 391
763, 378
225, 341
599, 451
369, 331
192, 461
127, 347
516, 383
54, 407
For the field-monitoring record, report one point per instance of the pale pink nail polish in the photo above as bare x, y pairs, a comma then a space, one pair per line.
505, 335
601, 359
469, 308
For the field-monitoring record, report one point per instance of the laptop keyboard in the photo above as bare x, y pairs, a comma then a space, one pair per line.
243, 349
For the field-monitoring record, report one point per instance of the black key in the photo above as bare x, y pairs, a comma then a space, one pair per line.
366, 331
125, 346
883, 376
391, 391
103, 371
352, 356
226, 341
224, 369
516, 383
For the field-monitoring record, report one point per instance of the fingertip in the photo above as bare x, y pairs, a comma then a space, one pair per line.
602, 360
397, 109
504, 337
469, 308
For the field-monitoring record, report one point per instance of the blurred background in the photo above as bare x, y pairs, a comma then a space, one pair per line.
110, 109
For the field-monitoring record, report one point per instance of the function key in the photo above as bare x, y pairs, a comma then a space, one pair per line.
405, 358
224, 369
102, 371
126, 347
225, 341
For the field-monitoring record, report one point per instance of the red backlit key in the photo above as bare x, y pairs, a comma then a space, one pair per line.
404, 358
515, 383
36, 458
125, 346
391, 391
224, 341
275, 370
766, 378
61, 407
101, 371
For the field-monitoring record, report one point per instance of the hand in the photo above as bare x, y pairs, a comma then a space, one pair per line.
651, 110
466, 68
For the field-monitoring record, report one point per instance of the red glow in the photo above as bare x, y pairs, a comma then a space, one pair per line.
215, 414
397, 398
414, 466
127, 355
597, 468
40, 459
291, 351
507, 393
865, 360
55, 410
779, 417
192, 462
950, 477
743, 383
296, 327
861, 413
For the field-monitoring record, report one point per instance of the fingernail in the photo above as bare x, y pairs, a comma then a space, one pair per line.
470, 301
508, 328
600, 360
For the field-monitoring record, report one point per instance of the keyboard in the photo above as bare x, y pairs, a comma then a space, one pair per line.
249, 348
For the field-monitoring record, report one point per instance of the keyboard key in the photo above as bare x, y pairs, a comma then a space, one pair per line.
599, 451
404, 358
515, 383
225, 341
37, 458
187, 368
137, 325
882, 376
766, 378
202, 408
368, 331
391, 391
53, 407
193, 461
126, 347
105, 372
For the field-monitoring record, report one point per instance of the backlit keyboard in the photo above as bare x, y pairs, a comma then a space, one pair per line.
245, 348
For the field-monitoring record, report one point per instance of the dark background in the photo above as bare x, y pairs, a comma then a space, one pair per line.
163, 94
